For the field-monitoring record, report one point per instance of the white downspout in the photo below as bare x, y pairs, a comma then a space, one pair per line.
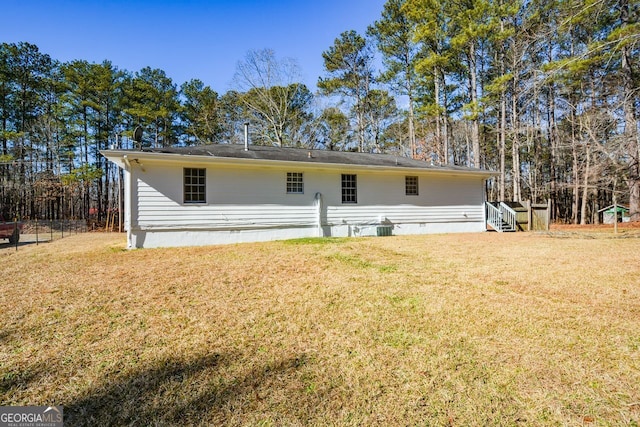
485, 182
246, 136
127, 199
319, 208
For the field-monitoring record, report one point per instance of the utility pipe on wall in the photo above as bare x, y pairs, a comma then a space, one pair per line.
246, 136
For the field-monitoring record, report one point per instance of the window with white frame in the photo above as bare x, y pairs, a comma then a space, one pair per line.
411, 185
295, 183
195, 188
349, 188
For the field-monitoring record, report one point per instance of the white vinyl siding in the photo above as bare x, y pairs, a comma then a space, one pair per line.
442, 199
253, 198
402, 214
239, 199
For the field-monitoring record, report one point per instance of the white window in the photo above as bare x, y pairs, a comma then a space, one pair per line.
349, 188
295, 183
195, 188
411, 185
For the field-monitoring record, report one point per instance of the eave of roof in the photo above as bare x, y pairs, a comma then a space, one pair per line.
263, 155
610, 207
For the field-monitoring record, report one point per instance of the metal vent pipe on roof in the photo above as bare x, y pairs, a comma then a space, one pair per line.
246, 136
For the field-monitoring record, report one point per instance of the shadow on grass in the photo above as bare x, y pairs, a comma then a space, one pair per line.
21, 244
172, 393
6, 333
14, 381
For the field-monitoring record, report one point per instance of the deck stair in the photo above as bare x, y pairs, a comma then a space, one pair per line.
506, 216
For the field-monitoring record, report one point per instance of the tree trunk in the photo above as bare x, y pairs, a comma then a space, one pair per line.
585, 188
445, 121
515, 149
502, 143
475, 126
412, 131
630, 120
575, 167
538, 151
436, 96
502, 136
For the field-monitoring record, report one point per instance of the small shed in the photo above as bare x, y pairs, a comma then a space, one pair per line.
609, 213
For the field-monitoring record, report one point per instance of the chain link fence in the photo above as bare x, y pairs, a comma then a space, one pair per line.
43, 231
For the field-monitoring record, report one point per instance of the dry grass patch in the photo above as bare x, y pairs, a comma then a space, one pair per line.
473, 329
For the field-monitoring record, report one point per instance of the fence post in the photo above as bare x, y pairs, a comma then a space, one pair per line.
36, 231
15, 231
51, 229
62, 229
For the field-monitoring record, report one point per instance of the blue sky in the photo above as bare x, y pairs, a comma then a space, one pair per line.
187, 39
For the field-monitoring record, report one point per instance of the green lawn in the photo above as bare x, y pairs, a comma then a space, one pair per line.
454, 330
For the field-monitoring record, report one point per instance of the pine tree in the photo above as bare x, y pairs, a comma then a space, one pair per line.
151, 101
349, 67
394, 35
201, 113
434, 65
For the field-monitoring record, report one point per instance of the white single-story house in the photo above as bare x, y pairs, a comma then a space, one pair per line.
223, 193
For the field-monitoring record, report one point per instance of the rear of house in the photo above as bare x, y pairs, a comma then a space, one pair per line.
219, 194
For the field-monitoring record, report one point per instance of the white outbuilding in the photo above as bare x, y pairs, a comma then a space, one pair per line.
223, 193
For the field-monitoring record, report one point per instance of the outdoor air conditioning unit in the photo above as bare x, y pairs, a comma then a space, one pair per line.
384, 230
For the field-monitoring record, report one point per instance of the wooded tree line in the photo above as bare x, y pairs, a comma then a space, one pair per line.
545, 92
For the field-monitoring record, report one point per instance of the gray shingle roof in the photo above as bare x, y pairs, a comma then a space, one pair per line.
305, 156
